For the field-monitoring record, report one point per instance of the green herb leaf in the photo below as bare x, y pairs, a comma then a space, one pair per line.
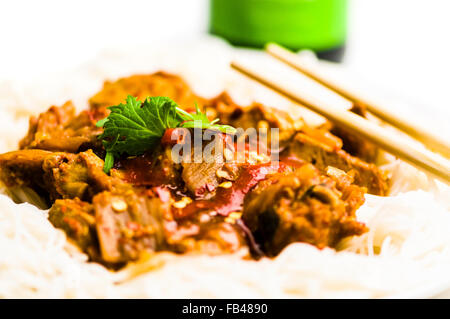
200, 120
109, 162
102, 122
136, 127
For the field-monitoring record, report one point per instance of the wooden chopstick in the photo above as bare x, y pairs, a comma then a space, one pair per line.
393, 143
430, 140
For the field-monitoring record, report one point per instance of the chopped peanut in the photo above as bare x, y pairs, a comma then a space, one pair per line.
223, 174
226, 185
119, 205
232, 217
183, 202
180, 204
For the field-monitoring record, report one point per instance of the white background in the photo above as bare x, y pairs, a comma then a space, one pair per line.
402, 46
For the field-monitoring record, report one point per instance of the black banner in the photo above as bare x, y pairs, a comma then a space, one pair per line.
213, 308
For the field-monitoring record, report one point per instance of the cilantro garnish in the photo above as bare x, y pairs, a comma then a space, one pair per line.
199, 120
135, 127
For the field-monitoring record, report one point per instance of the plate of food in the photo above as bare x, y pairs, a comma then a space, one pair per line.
137, 176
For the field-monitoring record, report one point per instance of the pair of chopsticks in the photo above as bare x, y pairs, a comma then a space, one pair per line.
393, 143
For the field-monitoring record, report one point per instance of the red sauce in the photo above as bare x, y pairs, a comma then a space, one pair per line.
139, 171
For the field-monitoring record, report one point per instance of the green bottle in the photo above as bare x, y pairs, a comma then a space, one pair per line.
319, 25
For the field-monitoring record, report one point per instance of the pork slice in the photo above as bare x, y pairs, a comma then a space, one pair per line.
321, 155
77, 175
256, 115
23, 168
77, 220
128, 224
303, 206
60, 129
57, 174
200, 173
353, 143
143, 86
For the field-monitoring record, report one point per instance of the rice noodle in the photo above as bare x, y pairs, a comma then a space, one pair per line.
405, 253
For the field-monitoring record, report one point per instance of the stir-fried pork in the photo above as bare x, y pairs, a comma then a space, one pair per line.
354, 144
143, 86
150, 203
59, 129
304, 206
310, 150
